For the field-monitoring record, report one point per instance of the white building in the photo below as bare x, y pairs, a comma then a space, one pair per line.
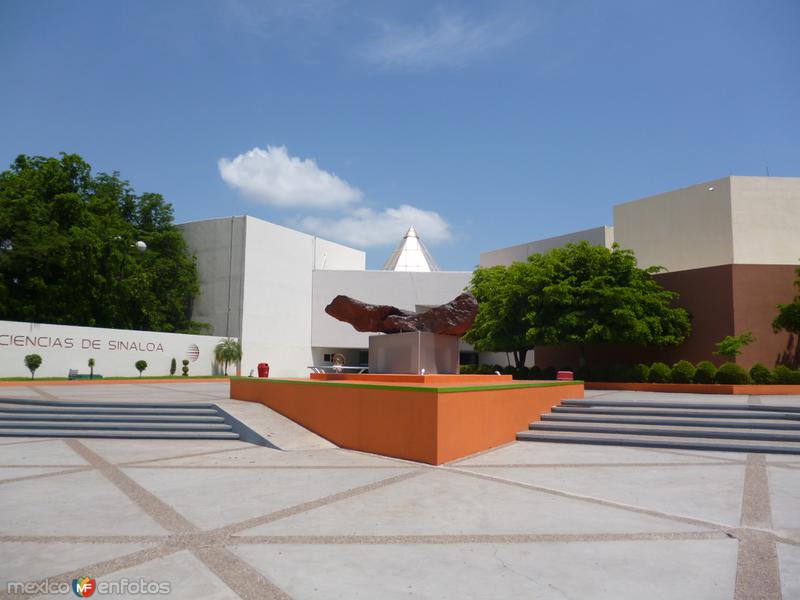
268, 285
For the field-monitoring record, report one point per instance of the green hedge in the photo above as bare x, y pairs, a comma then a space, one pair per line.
681, 372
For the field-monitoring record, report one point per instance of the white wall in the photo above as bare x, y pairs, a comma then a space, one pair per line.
218, 245
766, 220
335, 257
406, 290
276, 322
115, 351
688, 228
600, 236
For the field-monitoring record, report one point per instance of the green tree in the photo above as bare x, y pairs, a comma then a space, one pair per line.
580, 294
91, 364
67, 252
33, 362
228, 351
173, 366
140, 365
731, 345
185, 368
788, 317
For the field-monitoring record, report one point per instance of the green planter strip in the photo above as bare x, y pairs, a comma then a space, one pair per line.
413, 388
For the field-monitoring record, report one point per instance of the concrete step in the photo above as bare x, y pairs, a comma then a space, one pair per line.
683, 413
58, 416
681, 405
107, 409
68, 403
129, 426
669, 431
79, 433
676, 443
730, 423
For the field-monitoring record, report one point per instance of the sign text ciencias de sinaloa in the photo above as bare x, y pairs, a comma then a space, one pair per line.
68, 343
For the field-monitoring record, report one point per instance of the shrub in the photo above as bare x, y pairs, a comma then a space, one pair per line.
33, 362
683, 372
732, 373
705, 372
786, 376
549, 373
173, 366
760, 374
466, 369
641, 373
185, 369
140, 365
485, 370
659, 373
534, 373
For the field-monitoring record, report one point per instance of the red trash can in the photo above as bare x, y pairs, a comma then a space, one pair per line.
263, 369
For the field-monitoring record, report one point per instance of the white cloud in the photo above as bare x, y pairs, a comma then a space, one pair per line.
273, 177
367, 227
452, 41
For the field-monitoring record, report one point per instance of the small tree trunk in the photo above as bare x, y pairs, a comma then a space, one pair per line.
519, 357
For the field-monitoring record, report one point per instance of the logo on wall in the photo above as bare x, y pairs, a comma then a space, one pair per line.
84, 586
193, 352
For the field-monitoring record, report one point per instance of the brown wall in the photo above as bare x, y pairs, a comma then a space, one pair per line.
723, 300
757, 289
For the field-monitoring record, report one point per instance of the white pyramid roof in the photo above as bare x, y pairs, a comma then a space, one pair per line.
411, 255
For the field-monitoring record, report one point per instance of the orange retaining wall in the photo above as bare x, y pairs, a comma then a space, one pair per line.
699, 388
430, 424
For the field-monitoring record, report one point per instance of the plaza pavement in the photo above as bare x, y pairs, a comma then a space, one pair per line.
226, 519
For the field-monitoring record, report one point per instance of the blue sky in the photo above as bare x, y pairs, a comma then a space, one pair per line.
484, 124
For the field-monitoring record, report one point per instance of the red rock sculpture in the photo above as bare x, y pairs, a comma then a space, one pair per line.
453, 318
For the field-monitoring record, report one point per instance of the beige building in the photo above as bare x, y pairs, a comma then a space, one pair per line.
730, 248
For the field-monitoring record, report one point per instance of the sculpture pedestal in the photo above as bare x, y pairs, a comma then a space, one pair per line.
411, 352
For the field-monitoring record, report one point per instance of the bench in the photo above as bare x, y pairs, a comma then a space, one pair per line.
73, 374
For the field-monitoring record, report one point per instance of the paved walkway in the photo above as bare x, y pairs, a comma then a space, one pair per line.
222, 519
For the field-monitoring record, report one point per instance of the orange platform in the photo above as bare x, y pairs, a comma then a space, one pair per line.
434, 420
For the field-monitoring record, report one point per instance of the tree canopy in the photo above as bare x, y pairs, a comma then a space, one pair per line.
68, 256
789, 314
579, 293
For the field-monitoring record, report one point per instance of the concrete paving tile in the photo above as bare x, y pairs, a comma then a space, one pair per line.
212, 498
15, 473
18, 392
656, 570
278, 429
82, 503
784, 487
29, 561
119, 451
789, 562
268, 457
13, 440
54, 452
446, 503
712, 493
531, 453
186, 576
